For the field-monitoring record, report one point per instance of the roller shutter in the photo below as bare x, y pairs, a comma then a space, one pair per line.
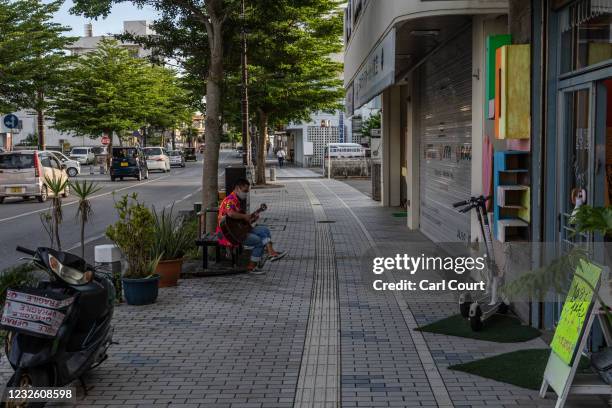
445, 127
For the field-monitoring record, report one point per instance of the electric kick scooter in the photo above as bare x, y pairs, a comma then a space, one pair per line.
480, 309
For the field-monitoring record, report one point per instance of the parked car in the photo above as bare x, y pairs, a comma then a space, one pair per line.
190, 154
100, 150
128, 162
22, 174
176, 158
83, 155
73, 167
157, 158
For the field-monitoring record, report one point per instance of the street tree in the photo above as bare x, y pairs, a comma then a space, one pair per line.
112, 92
292, 70
33, 59
206, 22
170, 105
107, 90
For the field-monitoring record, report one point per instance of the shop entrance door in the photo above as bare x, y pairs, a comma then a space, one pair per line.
575, 171
584, 165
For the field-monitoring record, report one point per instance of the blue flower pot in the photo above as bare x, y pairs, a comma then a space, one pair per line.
140, 291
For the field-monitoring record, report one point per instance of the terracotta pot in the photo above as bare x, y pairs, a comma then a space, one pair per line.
169, 272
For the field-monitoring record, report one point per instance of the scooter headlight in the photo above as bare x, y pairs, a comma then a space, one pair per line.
68, 274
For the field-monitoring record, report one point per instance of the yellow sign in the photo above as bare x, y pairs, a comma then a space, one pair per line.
575, 311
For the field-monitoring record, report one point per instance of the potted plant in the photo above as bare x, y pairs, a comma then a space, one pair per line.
133, 235
172, 239
84, 191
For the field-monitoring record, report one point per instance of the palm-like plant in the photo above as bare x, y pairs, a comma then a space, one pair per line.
57, 186
172, 237
84, 190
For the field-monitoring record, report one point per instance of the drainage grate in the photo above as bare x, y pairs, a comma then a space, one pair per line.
326, 222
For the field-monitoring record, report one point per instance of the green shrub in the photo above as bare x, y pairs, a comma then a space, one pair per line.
133, 234
173, 237
18, 275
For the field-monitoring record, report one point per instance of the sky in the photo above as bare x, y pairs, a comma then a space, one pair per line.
113, 24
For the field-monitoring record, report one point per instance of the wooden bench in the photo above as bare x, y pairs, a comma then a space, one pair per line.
211, 239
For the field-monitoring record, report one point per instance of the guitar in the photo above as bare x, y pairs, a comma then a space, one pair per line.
235, 230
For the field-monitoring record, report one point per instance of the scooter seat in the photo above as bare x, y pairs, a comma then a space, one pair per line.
92, 286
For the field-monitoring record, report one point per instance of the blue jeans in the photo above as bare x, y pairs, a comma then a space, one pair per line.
257, 241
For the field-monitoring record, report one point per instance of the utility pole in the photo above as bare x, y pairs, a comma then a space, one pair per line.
246, 138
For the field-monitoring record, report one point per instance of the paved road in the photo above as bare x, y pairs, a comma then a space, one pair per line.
20, 220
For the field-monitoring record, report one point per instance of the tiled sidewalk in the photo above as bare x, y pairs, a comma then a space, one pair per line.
246, 341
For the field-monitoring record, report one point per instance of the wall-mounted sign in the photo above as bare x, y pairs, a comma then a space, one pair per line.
377, 73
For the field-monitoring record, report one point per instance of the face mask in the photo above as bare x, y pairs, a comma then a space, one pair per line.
242, 195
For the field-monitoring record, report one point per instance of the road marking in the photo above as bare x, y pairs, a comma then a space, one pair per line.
87, 241
14, 217
436, 383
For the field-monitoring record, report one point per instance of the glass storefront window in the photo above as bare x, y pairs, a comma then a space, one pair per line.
586, 38
578, 173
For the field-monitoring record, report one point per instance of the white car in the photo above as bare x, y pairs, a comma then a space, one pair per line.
23, 173
176, 158
73, 167
157, 158
83, 155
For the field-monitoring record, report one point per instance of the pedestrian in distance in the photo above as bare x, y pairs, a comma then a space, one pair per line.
281, 156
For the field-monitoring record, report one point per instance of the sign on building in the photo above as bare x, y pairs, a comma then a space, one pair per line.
378, 72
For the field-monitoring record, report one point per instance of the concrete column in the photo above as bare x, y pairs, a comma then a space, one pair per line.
391, 158
478, 115
412, 156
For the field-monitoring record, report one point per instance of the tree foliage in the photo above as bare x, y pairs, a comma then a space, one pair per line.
32, 53
373, 122
112, 92
292, 69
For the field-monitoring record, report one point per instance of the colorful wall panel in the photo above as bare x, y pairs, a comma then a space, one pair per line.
513, 119
492, 44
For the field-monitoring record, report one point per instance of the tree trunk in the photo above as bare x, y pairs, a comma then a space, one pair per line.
82, 238
261, 147
210, 183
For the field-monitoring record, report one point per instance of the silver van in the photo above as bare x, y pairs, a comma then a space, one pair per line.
22, 174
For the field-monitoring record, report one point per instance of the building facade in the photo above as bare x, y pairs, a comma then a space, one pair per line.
508, 99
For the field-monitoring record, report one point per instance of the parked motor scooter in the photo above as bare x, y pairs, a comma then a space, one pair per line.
62, 328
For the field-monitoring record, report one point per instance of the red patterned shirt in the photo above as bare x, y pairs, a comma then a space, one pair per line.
229, 203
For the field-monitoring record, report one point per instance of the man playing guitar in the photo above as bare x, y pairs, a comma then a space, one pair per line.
259, 238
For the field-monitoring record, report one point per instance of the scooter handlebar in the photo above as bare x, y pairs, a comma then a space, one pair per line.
461, 203
25, 250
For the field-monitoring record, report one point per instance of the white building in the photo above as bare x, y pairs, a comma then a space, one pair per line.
305, 141
425, 61
89, 42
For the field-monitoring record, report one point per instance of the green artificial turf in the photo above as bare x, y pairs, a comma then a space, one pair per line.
499, 328
523, 368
